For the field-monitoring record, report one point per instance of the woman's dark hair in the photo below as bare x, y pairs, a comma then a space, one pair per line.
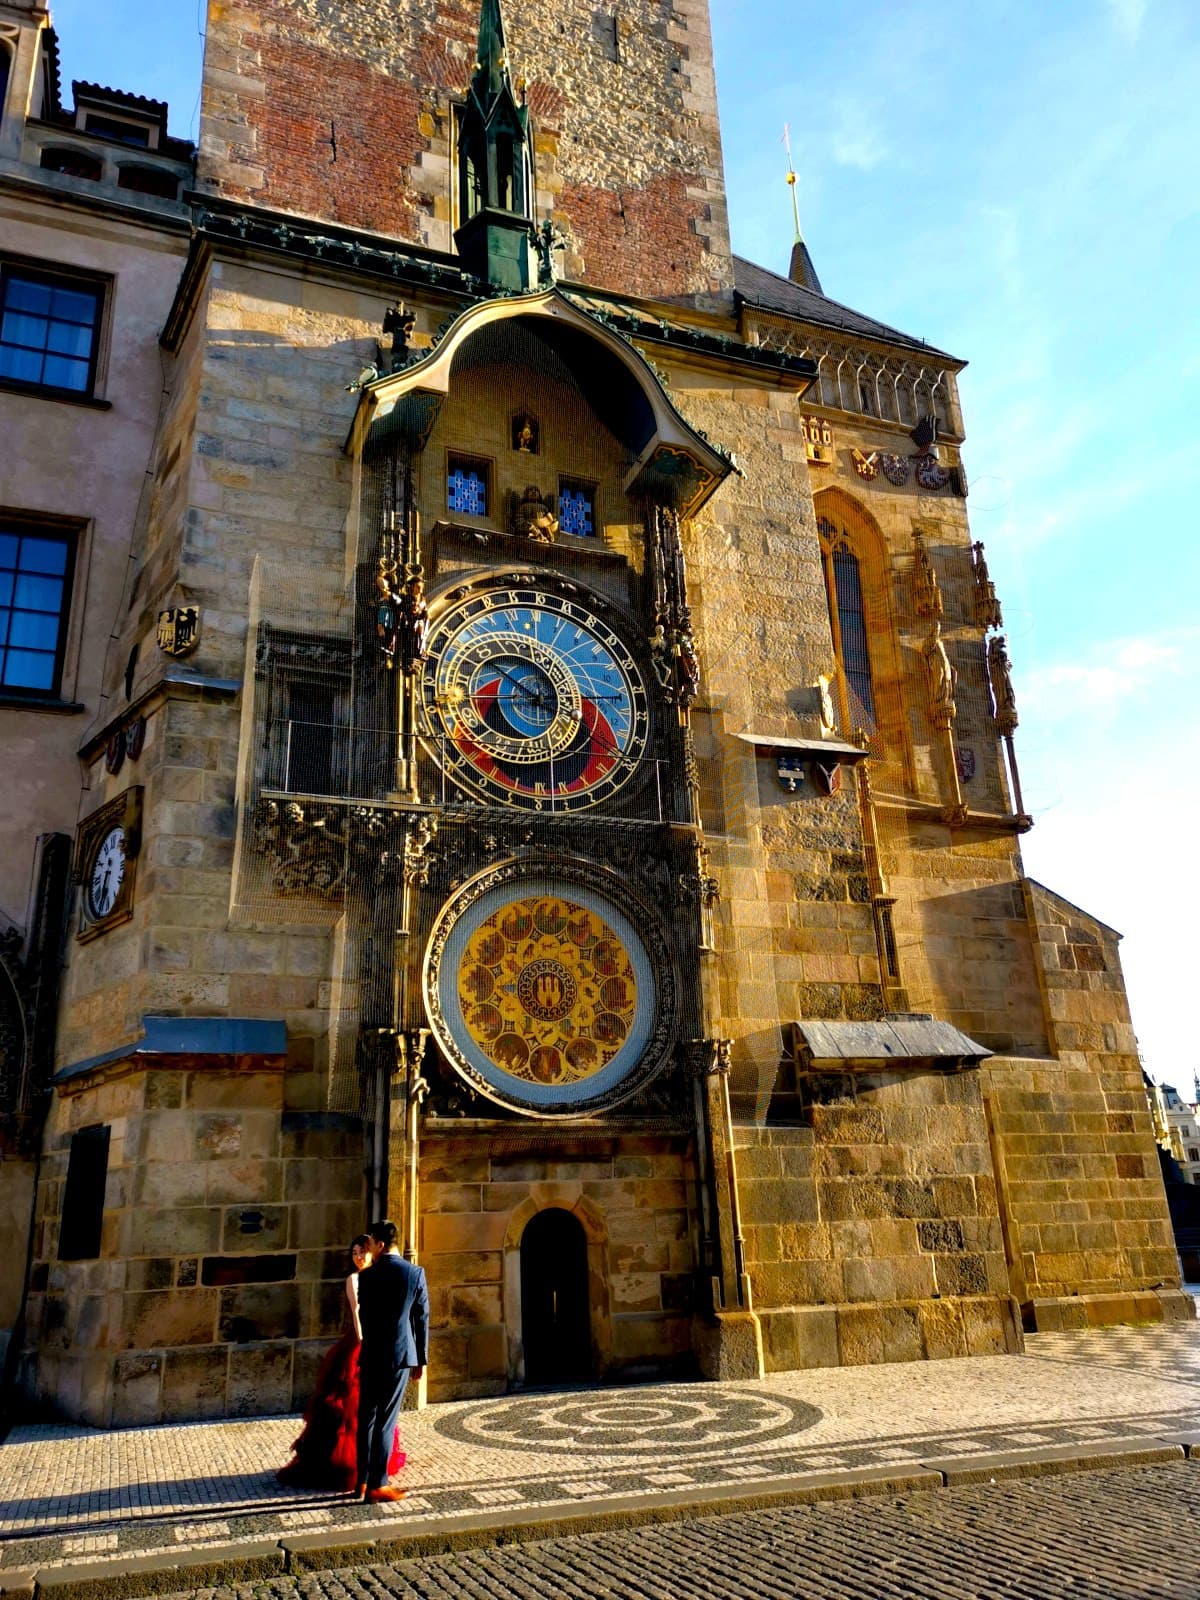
363, 1242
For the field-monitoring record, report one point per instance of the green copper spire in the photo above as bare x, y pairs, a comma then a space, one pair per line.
491, 59
495, 167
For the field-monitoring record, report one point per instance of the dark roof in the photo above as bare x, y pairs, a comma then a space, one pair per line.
119, 97
54, 71
772, 292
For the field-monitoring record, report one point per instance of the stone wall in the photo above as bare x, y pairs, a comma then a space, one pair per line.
874, 1234
346, 112
227, 1221
1089, 1234
633, 1195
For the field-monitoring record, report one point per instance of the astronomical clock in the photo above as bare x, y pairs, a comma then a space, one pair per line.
550, 980
537, 699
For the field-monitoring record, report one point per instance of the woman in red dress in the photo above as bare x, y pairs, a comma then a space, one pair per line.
325, 1456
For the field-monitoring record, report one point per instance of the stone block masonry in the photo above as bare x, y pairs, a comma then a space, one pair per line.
347, 112
219, 1281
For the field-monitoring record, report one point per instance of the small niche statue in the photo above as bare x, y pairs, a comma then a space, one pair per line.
533, 518
414, 624
387, 610
398, 324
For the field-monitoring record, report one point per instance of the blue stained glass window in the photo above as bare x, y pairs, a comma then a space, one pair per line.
48, 330
467, 487
33, 608
577, 509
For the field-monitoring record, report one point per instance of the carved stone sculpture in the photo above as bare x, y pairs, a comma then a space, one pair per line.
942, 678
1004, 700
927, 593
987, 606
533, 518
398, 324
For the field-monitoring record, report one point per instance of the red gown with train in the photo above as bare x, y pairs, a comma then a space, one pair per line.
326, 1453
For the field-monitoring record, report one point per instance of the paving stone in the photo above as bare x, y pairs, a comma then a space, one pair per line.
1080, 1395
1117, 1535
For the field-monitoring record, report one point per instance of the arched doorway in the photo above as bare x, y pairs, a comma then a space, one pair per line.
555, 1315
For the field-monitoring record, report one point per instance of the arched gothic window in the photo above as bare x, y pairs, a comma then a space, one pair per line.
847, 618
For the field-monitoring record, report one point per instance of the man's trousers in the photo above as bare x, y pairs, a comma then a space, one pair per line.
381, 1394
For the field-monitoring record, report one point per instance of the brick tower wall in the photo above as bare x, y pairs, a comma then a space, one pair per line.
345, 112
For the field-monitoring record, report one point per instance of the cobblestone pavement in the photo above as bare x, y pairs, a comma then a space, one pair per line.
1092, 1536
75, 1493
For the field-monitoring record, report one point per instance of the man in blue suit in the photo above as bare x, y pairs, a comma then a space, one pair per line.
393, 1308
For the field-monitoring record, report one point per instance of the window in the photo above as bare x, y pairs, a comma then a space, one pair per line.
35, 593
48, 329
307, 677
313, 739
1193, 1155
114, 128
83, 1197
467, 486
149, 180
577, 508
74, 163
847, 616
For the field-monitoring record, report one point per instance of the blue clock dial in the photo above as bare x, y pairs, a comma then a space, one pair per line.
535, 700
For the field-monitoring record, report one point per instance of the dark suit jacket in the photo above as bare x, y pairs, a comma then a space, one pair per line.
393, 1307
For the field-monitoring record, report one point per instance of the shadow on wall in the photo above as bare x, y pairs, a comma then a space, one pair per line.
977, 947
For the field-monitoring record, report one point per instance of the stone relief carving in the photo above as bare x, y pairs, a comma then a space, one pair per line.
942, 678
927, 592
1004, 699
987, 605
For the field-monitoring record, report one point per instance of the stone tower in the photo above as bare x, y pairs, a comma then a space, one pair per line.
350, 114
555, 779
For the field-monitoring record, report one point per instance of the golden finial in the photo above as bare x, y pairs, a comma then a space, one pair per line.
786, 141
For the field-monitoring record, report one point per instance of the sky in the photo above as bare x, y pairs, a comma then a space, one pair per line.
1016, 182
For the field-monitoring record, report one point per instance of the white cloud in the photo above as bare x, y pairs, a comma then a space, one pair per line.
1128, 15
1127, 668
856, 140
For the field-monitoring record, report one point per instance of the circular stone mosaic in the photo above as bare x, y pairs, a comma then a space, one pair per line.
638, 1423
549, 999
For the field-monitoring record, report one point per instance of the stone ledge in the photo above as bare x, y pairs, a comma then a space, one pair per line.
328, 1549
1042, 1460
164, 1571
316, 1551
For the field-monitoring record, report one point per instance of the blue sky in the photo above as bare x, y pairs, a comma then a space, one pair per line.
1015, 182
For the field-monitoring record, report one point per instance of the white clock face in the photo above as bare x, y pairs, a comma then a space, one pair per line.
108, 870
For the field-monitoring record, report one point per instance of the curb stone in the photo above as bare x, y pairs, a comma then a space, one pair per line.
164, 1572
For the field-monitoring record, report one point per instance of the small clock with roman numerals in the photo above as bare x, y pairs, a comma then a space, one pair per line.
105, 863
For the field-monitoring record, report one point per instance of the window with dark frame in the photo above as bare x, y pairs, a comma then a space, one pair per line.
49, 329
82, 1221
577, 507
135, 133
467, 486
35, 599
307, 682
847, 614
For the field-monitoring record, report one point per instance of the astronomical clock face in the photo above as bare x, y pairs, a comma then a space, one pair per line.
548, 999
537, 701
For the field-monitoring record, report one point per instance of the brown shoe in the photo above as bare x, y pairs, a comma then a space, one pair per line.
376, 1496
